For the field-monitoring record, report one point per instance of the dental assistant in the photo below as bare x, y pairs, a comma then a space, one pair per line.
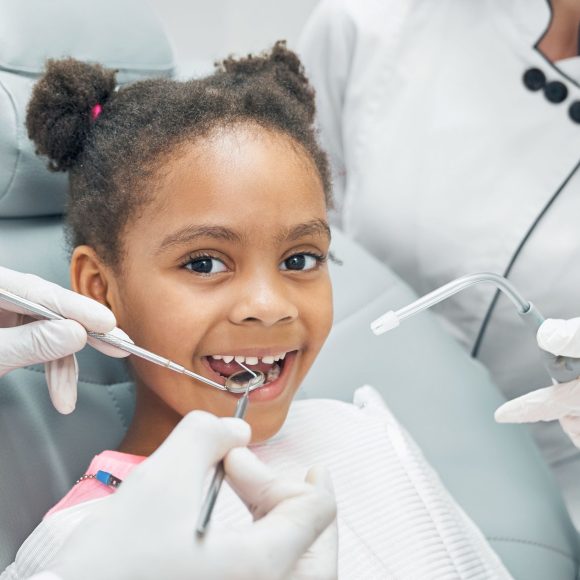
454, 133
128, 535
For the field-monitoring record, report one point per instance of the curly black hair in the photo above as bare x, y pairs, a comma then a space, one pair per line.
113, 141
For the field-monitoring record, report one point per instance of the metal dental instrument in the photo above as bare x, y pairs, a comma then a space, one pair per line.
561, 369
234, 384
39, 311
219, 473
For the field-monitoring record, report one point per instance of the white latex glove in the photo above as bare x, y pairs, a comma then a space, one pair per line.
263, 493
562, 401
146, 530
25, 341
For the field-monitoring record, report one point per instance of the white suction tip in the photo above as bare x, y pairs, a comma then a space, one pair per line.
384, 323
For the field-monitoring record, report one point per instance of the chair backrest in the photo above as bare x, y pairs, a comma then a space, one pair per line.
444, 398
41, 452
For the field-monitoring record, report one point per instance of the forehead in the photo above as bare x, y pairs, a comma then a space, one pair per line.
247, 177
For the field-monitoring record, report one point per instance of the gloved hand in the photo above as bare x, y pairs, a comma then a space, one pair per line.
264, 494
24, 341
146, 530
562, 401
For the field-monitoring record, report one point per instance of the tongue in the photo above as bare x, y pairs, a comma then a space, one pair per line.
227, 369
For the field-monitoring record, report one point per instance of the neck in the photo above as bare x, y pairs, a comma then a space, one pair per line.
152, 423
562, 37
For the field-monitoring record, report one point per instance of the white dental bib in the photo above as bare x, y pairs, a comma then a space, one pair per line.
395, 518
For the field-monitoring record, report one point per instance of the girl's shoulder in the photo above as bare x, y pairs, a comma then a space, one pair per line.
43, 544
88, 487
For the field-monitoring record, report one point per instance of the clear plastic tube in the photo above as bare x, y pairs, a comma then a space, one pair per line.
526, 309
460, 284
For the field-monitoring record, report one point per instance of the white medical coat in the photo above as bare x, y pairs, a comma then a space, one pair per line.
445, 163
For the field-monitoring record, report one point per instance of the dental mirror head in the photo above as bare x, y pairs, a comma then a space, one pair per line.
245, 380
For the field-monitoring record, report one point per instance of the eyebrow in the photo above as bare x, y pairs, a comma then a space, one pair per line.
192, 233
316, 227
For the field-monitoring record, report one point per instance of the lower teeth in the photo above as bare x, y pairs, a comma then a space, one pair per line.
273, 373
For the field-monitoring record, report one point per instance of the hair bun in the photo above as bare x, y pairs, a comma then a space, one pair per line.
286, 68
290, 74
60, 113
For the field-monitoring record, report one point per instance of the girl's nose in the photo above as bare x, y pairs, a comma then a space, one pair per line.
265, 302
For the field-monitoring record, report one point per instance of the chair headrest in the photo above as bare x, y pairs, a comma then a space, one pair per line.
123, 34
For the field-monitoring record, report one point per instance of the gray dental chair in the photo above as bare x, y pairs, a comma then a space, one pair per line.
443, 397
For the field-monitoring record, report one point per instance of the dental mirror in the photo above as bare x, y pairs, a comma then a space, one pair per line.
245, 380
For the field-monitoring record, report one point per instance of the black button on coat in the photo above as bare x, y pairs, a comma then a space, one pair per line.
555, 92
534, 79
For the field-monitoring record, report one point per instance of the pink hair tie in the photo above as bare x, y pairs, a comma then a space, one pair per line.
96, 111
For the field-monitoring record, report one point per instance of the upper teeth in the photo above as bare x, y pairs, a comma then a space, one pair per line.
249, 360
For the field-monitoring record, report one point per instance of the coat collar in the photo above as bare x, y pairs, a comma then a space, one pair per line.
528, 18
527, 21
570, 67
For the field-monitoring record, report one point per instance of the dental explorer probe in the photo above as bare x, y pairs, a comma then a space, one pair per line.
220, 473
39, 311
562, 369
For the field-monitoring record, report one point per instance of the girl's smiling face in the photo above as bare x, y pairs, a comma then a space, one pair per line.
227, 259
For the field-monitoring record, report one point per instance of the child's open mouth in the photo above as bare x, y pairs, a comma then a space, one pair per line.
227, 365
273, 367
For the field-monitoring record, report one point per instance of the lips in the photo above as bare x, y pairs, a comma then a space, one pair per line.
218, 370
275, 388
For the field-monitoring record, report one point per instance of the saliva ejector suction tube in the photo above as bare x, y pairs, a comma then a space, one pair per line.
561, 369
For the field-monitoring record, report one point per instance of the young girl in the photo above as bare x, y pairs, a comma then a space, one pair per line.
197, 214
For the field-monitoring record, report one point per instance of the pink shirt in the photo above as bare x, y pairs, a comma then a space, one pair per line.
114, 462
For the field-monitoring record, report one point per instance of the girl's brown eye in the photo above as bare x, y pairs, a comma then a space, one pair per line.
301, 262
205, 265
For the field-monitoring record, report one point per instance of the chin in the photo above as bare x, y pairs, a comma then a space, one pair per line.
265, 424
262, 435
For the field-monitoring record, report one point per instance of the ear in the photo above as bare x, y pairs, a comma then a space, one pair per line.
90, 277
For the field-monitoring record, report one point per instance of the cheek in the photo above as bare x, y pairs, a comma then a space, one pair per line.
160, 317
317, 316
320, 313
170, 318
